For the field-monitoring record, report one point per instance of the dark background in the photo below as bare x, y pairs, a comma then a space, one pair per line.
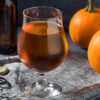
68, 7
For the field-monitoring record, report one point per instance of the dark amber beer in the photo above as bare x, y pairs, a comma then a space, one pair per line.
42, 45
7, 26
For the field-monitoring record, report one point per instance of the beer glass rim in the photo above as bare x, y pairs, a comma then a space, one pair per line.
59, 12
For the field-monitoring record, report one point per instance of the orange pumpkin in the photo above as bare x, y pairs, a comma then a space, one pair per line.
84, 24
94, 52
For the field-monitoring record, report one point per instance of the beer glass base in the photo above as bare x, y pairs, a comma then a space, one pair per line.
44, 89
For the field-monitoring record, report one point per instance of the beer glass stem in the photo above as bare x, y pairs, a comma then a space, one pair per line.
41, 80
45, 89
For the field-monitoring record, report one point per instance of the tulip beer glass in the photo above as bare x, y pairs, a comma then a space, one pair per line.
42, 46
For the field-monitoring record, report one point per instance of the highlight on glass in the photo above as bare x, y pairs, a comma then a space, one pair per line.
42, 46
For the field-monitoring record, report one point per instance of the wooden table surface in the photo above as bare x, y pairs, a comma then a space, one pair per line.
78, 80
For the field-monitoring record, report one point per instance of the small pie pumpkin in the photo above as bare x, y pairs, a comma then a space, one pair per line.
94, 52
84, 24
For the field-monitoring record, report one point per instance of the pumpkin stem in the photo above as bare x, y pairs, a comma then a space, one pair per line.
90, 6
